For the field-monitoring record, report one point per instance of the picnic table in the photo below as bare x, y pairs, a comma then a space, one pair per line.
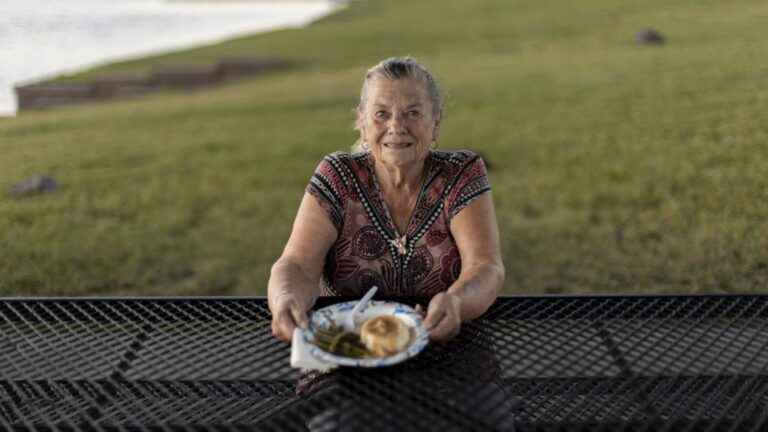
530, 363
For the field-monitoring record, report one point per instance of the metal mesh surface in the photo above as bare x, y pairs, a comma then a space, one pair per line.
679, 363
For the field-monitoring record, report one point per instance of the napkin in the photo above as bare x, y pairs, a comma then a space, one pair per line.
302, 358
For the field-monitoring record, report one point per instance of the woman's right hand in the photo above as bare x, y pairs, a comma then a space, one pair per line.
294, 280
288, 312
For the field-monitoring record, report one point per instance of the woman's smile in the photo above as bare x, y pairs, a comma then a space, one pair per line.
397, 145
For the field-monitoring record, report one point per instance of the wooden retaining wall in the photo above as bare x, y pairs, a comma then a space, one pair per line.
111, 87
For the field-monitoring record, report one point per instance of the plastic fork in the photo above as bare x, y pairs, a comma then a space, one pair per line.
349, 320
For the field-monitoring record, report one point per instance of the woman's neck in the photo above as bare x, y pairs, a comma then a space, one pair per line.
407, 178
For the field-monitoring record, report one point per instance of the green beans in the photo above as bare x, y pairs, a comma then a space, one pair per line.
335, 340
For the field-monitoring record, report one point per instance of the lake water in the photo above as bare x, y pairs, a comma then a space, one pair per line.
43, 38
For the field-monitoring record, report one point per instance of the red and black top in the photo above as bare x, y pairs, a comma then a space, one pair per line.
366, 252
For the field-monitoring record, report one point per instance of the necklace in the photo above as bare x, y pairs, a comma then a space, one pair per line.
400, 241
399, 244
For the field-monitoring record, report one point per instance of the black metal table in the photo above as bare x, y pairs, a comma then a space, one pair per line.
530, 363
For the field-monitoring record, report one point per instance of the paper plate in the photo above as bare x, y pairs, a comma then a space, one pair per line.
333, 315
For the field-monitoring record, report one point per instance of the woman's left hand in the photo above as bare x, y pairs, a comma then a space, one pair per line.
443, 320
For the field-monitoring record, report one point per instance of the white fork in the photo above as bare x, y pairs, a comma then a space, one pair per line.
349, 320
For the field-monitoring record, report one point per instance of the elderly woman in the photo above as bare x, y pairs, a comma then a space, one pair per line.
398, 214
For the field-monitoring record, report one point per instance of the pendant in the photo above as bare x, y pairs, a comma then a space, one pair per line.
399, 244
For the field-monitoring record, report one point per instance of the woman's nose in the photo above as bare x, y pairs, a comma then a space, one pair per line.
397, 124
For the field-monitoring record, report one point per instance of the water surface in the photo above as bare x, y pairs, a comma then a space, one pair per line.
43, 38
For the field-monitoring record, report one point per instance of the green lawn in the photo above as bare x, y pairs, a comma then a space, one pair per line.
616, 167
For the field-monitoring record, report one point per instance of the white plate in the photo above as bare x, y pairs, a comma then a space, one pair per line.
333, 315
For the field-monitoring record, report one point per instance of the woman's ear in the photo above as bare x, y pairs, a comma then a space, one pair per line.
359, 123
436, 129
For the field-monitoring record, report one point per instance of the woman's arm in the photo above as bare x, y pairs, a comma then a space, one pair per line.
476, 233
294, 283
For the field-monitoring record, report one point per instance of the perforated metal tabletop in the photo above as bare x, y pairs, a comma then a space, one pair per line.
677, 363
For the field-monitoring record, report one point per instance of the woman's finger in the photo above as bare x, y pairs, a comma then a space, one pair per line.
436, 311
299, 316
446, 329
420, 310
443, 321
434, 319
283, 325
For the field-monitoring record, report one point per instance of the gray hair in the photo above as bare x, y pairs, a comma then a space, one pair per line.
395, 68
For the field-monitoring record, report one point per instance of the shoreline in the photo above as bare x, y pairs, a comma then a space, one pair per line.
95, 58
251, 1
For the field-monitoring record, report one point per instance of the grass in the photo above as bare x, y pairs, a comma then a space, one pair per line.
616, 167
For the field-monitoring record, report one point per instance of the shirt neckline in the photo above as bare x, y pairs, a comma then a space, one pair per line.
430, 168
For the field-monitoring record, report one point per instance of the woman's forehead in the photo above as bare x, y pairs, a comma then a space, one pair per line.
382, 91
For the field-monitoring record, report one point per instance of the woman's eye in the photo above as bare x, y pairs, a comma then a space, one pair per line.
381, 114
414, 114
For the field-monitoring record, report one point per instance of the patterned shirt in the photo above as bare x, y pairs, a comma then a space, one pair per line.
365, 252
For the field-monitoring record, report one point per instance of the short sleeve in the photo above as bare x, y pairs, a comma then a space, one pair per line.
329, 187
471, 183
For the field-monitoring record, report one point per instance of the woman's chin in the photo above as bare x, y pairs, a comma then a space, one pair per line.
401, 157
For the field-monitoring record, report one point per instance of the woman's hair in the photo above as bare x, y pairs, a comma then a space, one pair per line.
395, 68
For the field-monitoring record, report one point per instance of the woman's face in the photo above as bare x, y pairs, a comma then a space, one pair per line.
397, 121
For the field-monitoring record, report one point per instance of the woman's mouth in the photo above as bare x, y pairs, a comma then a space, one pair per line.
398, 145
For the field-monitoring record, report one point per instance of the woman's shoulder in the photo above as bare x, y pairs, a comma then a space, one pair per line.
465, 178
343, 166
356, 158
455, 157
456, 162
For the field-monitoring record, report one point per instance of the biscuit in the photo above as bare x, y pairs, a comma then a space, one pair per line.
385, 335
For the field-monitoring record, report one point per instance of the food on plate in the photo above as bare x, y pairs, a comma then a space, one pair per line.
335, 340
385, 335
381, 336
